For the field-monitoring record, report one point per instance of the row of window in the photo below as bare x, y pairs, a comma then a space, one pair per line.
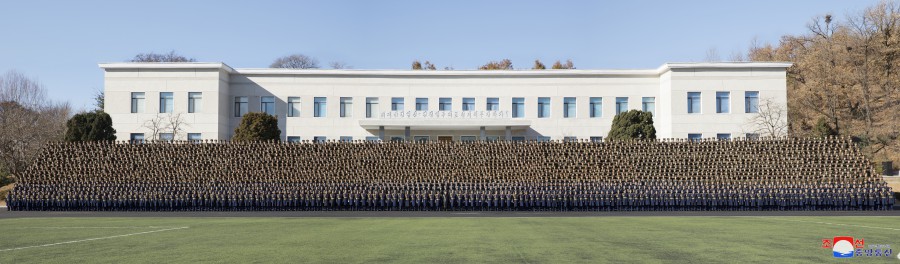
427, 138
723, 102
166, 102
721, 136
165, 136
267, 105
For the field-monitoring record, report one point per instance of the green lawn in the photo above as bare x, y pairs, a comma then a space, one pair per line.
440, 240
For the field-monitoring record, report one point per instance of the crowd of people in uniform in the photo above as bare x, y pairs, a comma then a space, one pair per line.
671, 174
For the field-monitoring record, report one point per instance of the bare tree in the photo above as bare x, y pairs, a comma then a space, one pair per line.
429, 66
156, 126
28, 120
560, 66
295, 61
770, 121
164, 57
736, 56
538, 65
176, 124
16, 87
712, 55
339, 65
99, 99
504, 64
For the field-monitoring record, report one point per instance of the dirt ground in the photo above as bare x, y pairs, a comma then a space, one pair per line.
893, 182
3, 191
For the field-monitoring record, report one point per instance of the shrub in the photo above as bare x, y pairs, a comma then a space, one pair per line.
90, 126
633, 124
257, 126
823, 129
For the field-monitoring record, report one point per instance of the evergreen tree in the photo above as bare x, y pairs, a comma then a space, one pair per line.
257, 126
823, 129
90, 126
634, 124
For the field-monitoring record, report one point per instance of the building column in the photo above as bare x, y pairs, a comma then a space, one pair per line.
381, 133
482, 134
508, 133
406, 134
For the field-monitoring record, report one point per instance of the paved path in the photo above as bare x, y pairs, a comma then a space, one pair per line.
33, 214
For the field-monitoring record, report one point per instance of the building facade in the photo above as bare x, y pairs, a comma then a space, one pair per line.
207, 100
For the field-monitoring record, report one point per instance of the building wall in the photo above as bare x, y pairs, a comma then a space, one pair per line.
119, 84
456, 88
771, 84
221, 84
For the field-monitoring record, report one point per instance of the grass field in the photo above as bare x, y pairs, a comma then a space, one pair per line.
438, 240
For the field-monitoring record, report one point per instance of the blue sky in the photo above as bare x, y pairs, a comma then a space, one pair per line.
60, 42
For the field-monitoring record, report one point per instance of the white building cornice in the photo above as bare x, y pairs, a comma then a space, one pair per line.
499, 73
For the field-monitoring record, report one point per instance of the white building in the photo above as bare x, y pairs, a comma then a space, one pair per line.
687, 100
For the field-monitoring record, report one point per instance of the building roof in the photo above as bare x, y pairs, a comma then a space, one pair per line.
356, 72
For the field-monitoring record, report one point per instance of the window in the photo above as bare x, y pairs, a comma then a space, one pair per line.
570, 139
240, 106
492, 138
445, 104
543, 139
194, 137
648, 104
373, 139
165, 102
468, 104
293, 139
467, 138
752, 136
421, 104
596, 106
137, 137
569, 107
596, 139
693, 102
543, 107
420, 138
518, 139
621, 105
346, 139
695, 137
751, 102
267, 105
371, 106
319, 139
195, 102
722, 102
137, 104
518, 107
293, 106
397, 139
493, 104
723, 136
319, 106
166, 136
397, 104
346, 106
